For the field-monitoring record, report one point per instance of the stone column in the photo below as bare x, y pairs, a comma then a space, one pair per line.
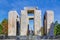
37, 22
12, 18
24, 23
50, 19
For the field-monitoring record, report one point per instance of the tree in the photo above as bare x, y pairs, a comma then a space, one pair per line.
1, 28
57, 29
56, 23
5, 26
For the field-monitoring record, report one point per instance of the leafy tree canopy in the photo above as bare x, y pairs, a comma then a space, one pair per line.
57, 29
1, 28
5, 26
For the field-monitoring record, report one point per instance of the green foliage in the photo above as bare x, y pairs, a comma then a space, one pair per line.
4, 21
1, 28
5, 28
57, 29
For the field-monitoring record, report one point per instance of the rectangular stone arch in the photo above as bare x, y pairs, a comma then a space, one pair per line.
25, 21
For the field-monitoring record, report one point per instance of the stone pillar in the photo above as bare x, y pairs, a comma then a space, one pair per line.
24, 23
50, 19
37, 22
12, 19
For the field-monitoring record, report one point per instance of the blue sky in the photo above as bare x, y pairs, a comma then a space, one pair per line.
43, 5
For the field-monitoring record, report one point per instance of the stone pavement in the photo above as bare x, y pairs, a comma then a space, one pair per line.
28, 38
